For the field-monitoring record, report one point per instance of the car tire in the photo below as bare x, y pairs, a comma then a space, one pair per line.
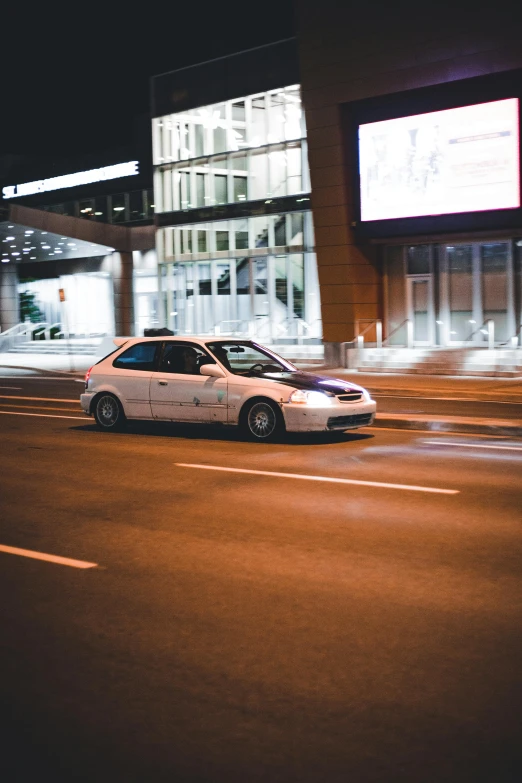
262, 421
108, 412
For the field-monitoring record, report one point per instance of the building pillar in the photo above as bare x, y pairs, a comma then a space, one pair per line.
9, 300
122, 277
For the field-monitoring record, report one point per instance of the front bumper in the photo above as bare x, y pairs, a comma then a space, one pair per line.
337, 416
85, 402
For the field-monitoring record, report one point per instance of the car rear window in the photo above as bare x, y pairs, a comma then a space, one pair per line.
138, 357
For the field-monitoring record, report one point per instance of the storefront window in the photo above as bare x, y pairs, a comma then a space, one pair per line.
136, 205
460, 269
419, 260
494, 267
118, 209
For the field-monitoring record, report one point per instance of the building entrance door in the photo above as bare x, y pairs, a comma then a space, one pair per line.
420, 308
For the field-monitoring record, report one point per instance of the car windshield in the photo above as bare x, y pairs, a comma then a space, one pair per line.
247, 358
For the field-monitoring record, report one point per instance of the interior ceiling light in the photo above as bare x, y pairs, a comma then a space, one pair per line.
32, 258
5, 260
9, 239
29, 232
15, 254
10, 226
12, 245
44, 232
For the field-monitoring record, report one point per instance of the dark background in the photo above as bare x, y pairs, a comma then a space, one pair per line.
74, 76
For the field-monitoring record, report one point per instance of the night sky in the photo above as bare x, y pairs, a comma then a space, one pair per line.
73, 76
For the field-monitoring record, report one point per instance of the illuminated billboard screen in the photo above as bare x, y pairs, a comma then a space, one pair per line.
441, 163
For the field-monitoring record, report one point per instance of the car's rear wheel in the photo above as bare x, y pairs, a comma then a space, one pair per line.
261, 420
108, 412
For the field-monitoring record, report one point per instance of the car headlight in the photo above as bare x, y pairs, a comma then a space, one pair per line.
314, 398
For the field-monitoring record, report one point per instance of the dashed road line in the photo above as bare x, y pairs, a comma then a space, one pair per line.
42, 415
67, 561
472, 445
35, 399
274, 474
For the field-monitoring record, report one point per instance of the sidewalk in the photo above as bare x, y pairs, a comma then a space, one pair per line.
434, 386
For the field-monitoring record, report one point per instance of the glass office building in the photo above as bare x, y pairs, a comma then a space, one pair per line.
235, 238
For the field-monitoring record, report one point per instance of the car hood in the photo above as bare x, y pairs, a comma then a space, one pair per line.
311, 382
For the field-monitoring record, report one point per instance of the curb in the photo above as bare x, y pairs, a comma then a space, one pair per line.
501, 427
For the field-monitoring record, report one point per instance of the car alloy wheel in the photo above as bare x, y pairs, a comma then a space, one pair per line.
263, 420
108, 413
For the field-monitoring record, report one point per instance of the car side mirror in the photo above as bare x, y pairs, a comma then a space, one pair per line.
213, 370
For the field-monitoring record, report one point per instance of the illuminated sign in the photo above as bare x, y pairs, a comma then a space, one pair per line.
128, 169
441, 163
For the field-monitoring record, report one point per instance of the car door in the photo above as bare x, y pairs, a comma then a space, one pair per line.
179, 393
131, 375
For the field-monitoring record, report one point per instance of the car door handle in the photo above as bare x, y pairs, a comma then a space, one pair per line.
163, 383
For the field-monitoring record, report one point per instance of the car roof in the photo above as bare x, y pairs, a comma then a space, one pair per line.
200, 340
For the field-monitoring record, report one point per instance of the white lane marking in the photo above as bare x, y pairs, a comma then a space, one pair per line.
472, 445
40, 377
35, 399
382, 485
42, 415
13, 550
13, 388
447, 399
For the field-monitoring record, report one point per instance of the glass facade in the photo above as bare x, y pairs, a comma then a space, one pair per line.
120, 208
254, 275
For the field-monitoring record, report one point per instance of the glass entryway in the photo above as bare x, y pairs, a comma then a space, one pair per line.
456, 294
477, 286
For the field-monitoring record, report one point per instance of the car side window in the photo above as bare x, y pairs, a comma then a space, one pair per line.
182, 358
138, 357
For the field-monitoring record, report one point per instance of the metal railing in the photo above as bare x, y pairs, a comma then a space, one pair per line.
20, 333
487, 328
370, 322
513, 341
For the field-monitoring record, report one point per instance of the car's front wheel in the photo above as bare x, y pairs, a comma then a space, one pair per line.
262, 420
108, 412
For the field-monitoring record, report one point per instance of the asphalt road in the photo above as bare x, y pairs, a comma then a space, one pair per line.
63, 388
231, 625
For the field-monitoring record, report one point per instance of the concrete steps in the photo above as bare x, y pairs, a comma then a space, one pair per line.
56, 347
479, 362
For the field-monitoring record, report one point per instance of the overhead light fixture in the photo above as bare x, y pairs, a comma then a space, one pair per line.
9, 239
10, 226
5, 260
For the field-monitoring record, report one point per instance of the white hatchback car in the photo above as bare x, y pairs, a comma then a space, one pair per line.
236, 382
